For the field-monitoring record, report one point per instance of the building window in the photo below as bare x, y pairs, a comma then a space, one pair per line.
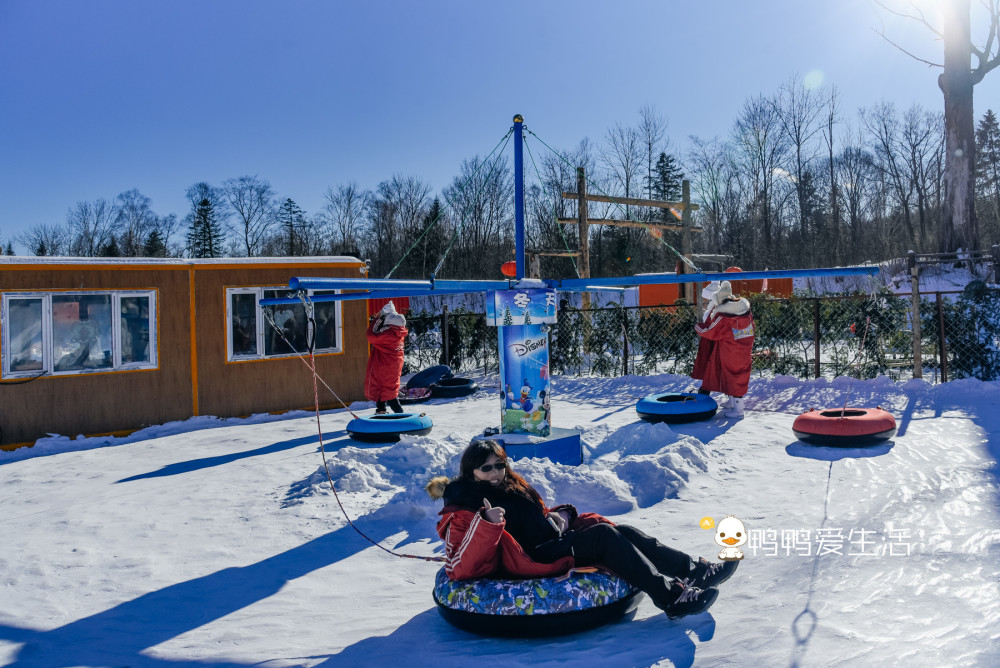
77, 332
261, 332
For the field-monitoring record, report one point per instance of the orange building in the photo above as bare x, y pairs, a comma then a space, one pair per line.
91, 346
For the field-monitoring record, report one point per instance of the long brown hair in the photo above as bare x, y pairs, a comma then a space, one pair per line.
476, 455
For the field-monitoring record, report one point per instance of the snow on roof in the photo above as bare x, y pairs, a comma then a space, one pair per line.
117, 261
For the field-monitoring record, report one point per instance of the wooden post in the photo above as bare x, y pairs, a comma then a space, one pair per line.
581, 217
686, 239
942, 344
918, 363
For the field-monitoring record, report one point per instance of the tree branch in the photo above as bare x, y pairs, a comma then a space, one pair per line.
988, 61
919, 18
915, 57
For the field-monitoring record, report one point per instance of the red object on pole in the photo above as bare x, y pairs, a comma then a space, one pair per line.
509, 269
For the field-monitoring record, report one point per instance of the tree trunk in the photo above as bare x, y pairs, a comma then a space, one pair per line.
958, 228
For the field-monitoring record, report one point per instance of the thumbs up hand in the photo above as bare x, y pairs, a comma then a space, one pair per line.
493, 515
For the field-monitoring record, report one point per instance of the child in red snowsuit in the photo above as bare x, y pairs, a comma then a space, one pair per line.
386, 334
724, 357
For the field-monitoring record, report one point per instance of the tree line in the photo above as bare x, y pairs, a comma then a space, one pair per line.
795, 182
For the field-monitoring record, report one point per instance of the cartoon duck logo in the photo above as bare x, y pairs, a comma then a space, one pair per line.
731, 534
527, 405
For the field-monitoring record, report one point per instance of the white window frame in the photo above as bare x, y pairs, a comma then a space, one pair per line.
263, 326
48, 354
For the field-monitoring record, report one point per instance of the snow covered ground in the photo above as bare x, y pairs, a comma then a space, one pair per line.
217, 542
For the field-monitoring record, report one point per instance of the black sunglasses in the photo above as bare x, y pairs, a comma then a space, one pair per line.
486, 468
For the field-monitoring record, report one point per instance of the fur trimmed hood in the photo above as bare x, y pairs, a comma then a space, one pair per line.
435, 488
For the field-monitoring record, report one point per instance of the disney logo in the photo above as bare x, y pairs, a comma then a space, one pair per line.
522, 349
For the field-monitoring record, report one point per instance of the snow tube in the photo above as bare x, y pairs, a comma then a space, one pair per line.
845, 428
414, 395
674, 407
429, 375
534, 607
389, 427
453, 387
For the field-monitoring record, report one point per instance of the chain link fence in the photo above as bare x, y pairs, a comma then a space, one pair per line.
862, 336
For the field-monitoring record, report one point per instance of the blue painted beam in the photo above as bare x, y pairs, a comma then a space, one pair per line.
354, 296
579, 284
393, 284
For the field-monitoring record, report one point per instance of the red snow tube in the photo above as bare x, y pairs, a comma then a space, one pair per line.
845, 427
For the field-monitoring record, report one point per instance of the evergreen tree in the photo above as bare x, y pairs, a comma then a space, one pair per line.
293, 220
154, 246
508, 319
111, 249
42, 249
432, 243
10, 249
667, 182
204, 236
988, 163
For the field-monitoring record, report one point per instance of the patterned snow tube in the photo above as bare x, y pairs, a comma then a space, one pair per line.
449, 388
534, 607
845, 428
414, 395
429, 376
389, 427
676, 407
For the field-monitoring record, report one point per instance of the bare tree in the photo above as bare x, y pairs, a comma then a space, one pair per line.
713, 183
830, 120
252, 202
652, 128
395, 211
760, 151
45, 240
623, 157
798, 110
922, 144
482, 198
885, 139
91, 226
856, 180
957, 81
134, 222
343, 215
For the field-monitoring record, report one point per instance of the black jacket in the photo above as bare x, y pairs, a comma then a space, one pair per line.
524, 517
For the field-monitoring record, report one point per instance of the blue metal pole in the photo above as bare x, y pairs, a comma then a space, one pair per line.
519, 194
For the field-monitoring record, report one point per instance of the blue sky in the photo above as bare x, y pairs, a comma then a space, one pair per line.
102, 96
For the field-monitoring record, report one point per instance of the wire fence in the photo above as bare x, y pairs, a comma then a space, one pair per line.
862, 336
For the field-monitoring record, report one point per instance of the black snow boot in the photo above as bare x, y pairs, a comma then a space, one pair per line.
707, 574
690, 599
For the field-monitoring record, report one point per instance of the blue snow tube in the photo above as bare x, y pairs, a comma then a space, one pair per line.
389, 427
429, 376
675, 407
534, 607
450, 388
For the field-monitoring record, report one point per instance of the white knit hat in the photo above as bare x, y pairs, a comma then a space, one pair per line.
725, 290
395, 319
709, 290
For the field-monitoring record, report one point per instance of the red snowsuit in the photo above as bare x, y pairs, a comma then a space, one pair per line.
385, 361
724, 352
475, 547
